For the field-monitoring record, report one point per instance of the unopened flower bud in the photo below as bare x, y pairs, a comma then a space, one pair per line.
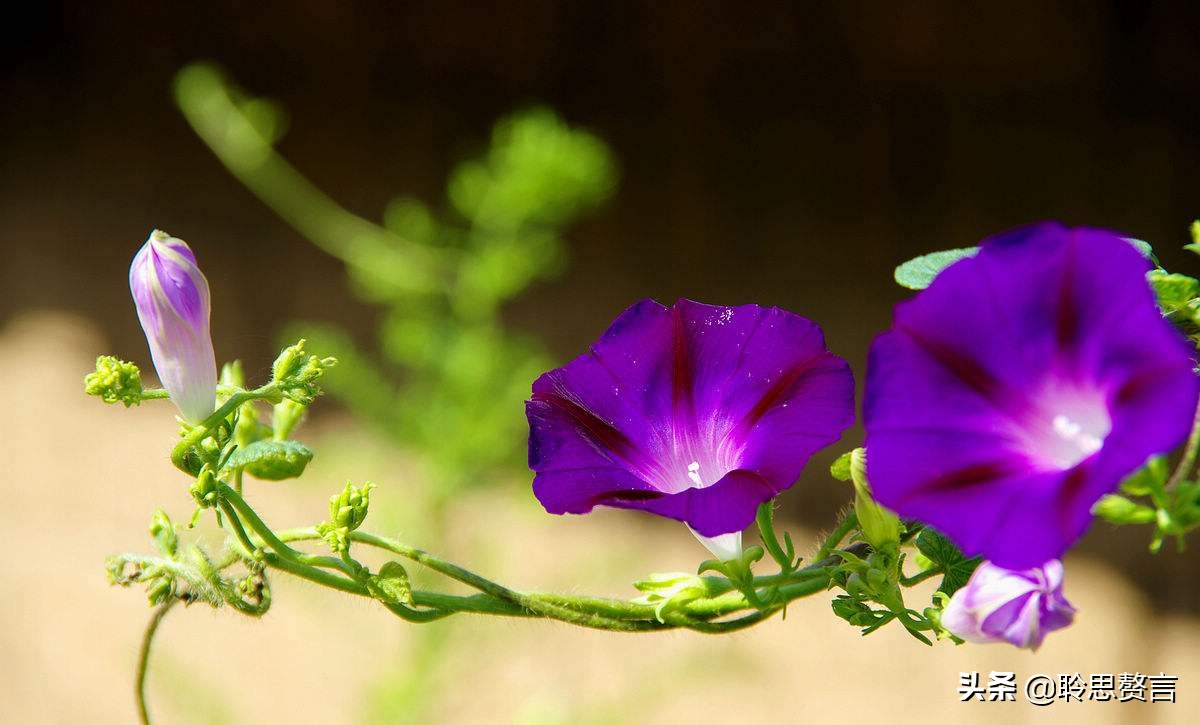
1018, 606
172, 299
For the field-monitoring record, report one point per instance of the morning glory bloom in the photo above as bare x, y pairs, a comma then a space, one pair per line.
694, 412
172, 302
1004, 605
1021, 386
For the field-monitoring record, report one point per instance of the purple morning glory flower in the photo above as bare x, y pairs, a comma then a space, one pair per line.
1020, 387
171, 296
1004, 605
694, 412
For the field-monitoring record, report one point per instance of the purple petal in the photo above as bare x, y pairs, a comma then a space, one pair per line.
1020, 387
694, 412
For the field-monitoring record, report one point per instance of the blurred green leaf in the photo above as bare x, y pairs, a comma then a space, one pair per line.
919, 272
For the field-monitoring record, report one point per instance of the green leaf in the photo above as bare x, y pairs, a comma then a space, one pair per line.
956, 568
918, 273
391, 584
272, 460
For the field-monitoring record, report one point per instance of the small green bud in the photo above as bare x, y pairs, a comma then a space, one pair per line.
347, 511
288, 363
204, 490
233, 375
349, 508
163, 533
1120, 510
297, 374
115, 381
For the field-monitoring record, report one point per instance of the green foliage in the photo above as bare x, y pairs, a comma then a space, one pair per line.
956, 569
918, 273
445, 377
272, 460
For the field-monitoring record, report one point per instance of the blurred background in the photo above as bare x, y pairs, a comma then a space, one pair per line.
453, 197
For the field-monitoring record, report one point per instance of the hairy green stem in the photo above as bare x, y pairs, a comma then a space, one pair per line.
143, 664
835, 537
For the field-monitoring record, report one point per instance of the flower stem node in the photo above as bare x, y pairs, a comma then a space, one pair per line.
115, 381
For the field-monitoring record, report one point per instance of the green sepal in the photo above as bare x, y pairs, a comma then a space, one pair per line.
272, 460
880, 527
1120, 510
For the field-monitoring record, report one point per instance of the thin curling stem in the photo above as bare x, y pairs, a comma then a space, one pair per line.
144, 658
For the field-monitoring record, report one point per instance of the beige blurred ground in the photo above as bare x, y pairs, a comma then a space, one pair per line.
82, 479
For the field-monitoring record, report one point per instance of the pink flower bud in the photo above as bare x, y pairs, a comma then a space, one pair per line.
171, 296
1018, 606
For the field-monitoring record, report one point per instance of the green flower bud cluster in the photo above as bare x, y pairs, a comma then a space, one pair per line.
115, 381
347, 511
296, 373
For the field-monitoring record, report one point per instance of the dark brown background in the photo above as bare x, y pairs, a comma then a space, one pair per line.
782, 154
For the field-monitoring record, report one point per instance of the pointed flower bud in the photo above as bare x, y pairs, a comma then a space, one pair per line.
172, 302
1006, 605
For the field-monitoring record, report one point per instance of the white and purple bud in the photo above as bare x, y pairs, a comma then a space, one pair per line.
171, 295
1018, 606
